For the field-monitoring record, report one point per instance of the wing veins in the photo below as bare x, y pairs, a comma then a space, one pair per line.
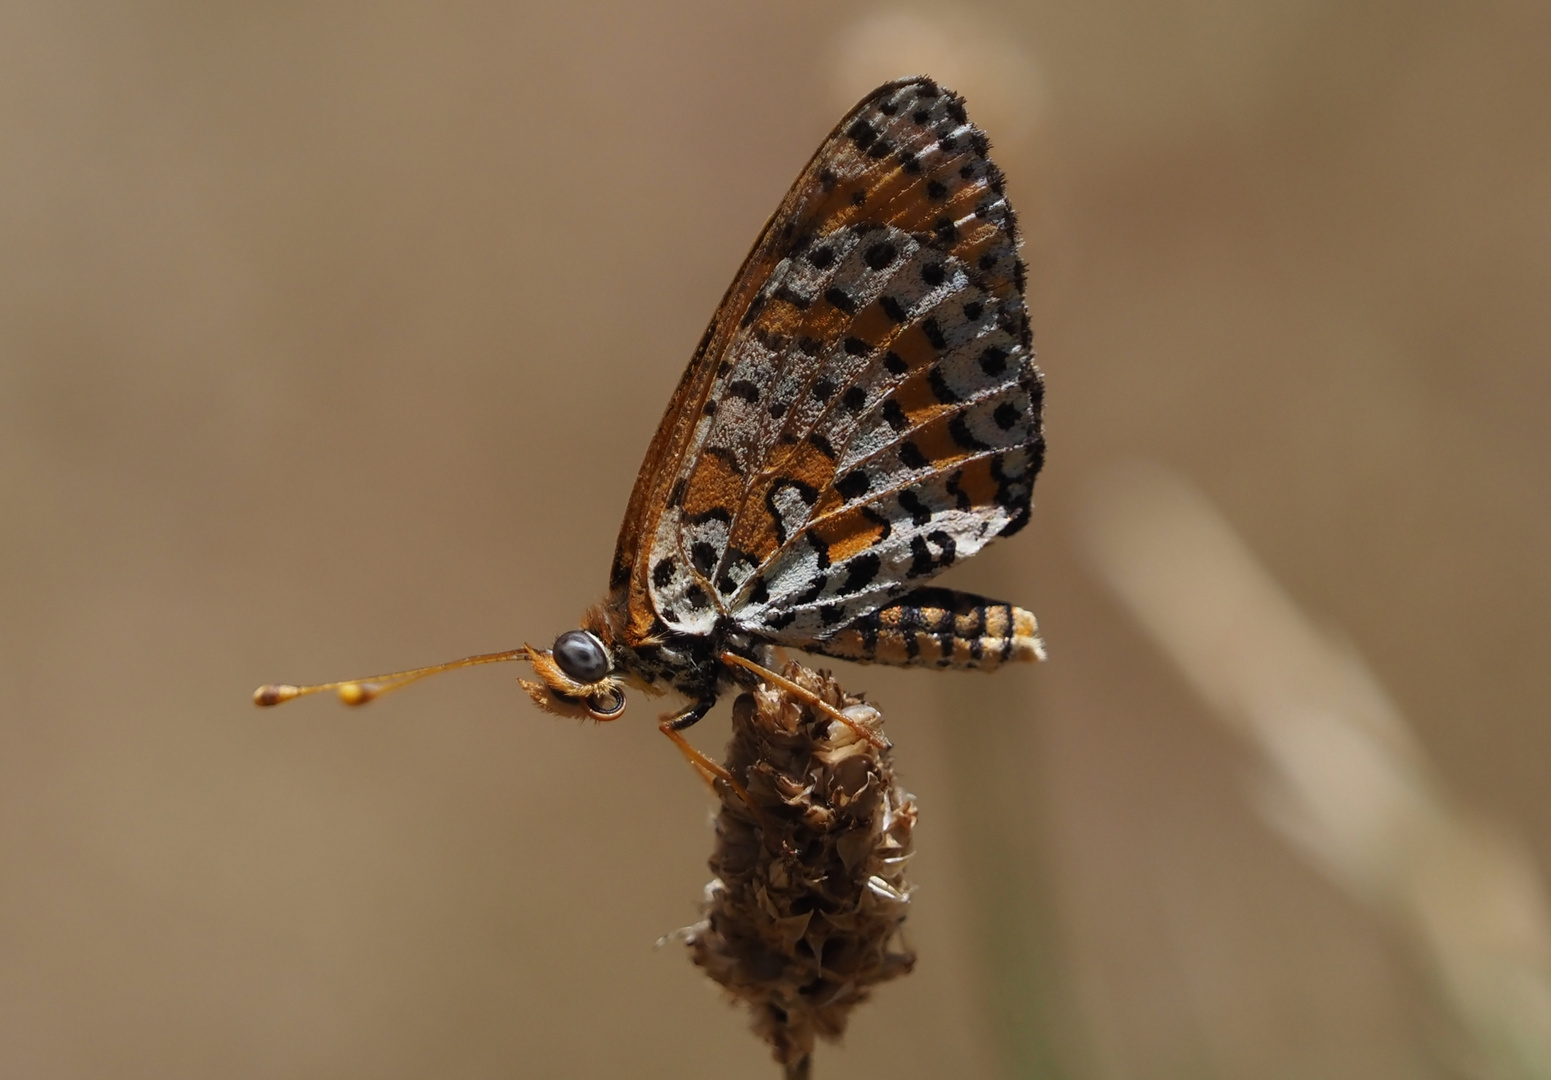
959, 463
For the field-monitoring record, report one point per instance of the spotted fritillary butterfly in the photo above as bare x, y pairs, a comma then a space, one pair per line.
862, 413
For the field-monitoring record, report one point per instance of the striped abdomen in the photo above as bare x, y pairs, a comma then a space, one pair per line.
939, 628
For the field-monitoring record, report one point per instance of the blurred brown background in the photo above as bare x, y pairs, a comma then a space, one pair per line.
331, 337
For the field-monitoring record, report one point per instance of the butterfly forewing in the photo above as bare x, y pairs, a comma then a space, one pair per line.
864, 409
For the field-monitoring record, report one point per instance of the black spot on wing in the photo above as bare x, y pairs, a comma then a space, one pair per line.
820, 549
860, 572
924, 560
910, 502
814, 590
881, 255
840, 299
961, 497
993, 360
853, 484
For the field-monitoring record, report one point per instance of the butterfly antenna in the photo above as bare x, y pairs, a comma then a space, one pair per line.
360, 691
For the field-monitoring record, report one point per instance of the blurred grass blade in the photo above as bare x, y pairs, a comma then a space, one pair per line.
1344, 780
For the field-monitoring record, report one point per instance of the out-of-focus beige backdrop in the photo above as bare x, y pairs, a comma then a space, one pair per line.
330, 340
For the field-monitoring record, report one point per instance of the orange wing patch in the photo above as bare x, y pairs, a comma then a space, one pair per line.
716, 484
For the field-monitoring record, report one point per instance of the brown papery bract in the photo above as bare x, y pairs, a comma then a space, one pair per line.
804, 915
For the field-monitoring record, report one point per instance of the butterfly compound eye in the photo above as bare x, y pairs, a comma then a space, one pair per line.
581, 656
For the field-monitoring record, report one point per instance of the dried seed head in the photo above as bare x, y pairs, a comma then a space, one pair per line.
804, 914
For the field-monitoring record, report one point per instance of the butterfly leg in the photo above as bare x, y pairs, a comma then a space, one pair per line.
878, 741
671, 726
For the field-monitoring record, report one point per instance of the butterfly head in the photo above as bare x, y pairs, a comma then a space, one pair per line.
579, 676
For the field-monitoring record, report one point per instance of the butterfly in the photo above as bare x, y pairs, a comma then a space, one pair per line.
862, 413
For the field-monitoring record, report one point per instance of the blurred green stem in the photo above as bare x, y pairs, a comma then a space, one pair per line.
1014, 927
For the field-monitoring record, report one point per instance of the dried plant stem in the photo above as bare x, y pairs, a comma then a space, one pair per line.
803, 917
